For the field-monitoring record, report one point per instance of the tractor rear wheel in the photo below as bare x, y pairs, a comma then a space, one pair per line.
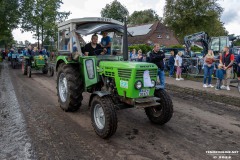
69, 87
50, 71
162, 113
14, 64
24, 67
29, 71
103, 116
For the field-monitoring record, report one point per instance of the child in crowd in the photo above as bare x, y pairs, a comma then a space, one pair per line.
178, 64
220, 76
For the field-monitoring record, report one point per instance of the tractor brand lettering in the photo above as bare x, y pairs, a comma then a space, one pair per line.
144, 92
108, 68
124, 84
104, 19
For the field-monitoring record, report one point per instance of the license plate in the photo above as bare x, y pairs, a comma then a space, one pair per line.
144, 92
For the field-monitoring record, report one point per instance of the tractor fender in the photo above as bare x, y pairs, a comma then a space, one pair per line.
99, 93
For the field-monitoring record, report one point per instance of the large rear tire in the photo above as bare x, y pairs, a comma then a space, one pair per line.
103, 116
24, 67
163, 113
50, 71
69, 87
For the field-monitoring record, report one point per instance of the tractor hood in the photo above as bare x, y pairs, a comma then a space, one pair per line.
127, 65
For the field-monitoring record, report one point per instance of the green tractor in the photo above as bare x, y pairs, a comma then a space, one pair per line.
37, 62
113, 82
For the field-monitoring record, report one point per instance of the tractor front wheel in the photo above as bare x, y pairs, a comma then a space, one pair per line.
29, 71
69, 87
45, 70
162, 113
103, 116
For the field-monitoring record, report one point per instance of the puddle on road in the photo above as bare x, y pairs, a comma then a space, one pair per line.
15, 143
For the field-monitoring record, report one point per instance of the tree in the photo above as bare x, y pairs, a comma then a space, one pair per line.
185, 17
41, 17
26, 43
115, 10
143, 17
9, 19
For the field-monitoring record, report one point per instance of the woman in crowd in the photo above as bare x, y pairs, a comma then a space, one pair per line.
208, 69
134, 55
139, 56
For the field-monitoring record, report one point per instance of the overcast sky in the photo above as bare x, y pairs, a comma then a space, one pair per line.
92, 8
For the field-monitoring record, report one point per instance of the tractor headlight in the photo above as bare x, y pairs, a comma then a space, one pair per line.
90, 68
153, 83
138, 85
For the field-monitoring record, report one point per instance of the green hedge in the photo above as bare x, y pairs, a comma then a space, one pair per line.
143, 47
146, 48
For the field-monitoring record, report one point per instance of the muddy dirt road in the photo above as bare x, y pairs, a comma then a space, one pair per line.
33, 126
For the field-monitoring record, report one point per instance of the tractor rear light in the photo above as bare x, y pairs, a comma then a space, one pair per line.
138, 85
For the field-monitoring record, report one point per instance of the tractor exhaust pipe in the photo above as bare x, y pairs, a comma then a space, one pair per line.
125, 41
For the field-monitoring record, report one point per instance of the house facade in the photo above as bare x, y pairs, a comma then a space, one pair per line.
151, 34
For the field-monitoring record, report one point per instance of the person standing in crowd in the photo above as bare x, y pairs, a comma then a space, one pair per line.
220, 76
178, 64
208, 69
29, 50
134, 55
140, 56
227, 59
238, 65
106, 42
171, 62
156, 57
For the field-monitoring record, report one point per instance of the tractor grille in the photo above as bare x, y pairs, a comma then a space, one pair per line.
40, 62
152, 73
124, 73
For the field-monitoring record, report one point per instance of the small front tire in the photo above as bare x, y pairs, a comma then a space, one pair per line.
163, 113
103, 116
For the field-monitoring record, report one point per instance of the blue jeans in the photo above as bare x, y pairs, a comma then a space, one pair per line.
171, 70
161, 75
208, 74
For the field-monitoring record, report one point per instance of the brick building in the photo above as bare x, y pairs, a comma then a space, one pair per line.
152, 33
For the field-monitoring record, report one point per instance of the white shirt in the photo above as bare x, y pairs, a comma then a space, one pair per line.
179, 60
